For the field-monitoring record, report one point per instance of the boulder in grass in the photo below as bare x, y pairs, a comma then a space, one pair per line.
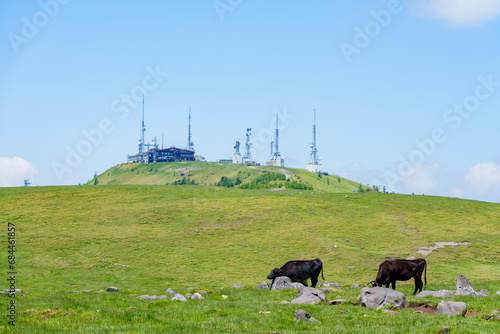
237, 286
170, 291
263, 286
330, 285
297, 285
464, 287
301, 315
309, 296
378, 297
112, 289
451, 308
281, 283
438, 294
197, 296
179, 297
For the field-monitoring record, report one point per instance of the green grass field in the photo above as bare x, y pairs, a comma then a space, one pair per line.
146, 238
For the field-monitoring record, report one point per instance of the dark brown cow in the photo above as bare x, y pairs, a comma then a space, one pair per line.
299, 271
391, 271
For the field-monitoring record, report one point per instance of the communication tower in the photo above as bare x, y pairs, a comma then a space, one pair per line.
314, 165
276, 159
190, 144
247, 158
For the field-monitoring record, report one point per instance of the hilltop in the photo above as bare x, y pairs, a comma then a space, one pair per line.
228, 175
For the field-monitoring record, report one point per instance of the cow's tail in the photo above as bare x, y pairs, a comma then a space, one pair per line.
322, 273
272, 284
425, 275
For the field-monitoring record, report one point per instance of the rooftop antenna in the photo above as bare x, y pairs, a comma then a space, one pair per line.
143, 130
190, 145
247, 158
237, 148
314, 164
162, 141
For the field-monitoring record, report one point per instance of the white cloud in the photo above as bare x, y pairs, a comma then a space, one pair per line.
484, 178
13, 171
421, 179
457, 12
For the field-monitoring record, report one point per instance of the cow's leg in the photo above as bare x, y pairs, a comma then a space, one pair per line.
304, 282
314, 280
393, 285
418, 284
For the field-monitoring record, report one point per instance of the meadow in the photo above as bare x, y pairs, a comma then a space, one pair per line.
144, 239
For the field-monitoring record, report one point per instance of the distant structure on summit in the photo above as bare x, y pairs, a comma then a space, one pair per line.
190, 144
149, 153
314, 165
247, 158
276, 159
237, 157
27, 183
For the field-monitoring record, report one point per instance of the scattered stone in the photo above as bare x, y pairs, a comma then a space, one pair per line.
336, 302
335, 246
350, 267
281, 283
224, 297
347, 240
464, 287
355, 286
170, 291
263, 286
86, 290
361, 247
484, 291
179, 297
284, 302
144, 297
498, 293
443, 330
203, 292
325, 290
112, 289
188, 295
309, 296
438, 294
297, 285
451, 308
237, 286
379, 296
197, 296
75, 291
100, 291
346, 196
301, 315
389, 311
163, 297
330, 285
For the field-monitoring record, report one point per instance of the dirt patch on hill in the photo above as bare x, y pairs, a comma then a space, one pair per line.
425, 308
427, 250
422, 308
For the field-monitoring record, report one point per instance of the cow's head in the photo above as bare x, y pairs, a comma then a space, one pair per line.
373, 284
276, 272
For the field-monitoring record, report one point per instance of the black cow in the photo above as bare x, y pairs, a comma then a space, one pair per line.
299, 271
391, 271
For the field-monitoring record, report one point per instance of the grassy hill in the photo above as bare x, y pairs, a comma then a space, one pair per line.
144, 239
210, 173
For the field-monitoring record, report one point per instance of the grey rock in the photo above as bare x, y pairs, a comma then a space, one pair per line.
203, 292
144, 297
350, 267
464, 287
297, 285
237, 286
163, 297
336, 302
86, 290
281, 283
379, 296
484, 291
438, 294
170, 291
188, 295
330, 285
263, 286
112, 289
311, 296
224, 297
451, 308
326, 290
355, 286
498, 293
11, 291
197, 296
388, 311
75, 291
284, 302
179, 297
301, 315
313, 320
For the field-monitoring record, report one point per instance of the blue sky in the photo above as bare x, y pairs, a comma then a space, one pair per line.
406, 93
